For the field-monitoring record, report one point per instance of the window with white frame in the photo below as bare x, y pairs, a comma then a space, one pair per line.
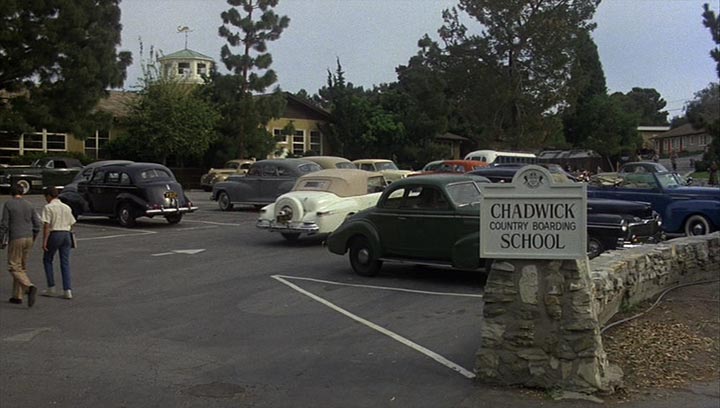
316, 142
201, 68
298, 143
95, 144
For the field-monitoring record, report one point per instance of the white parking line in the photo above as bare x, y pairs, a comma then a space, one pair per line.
232, 224
437, 357
196, 228
133, 234
355, 285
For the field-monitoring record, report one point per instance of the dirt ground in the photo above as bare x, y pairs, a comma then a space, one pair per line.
673, 345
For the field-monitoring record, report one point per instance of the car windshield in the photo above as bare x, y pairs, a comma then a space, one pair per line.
380, 166
464, 193
668, 180
154, 174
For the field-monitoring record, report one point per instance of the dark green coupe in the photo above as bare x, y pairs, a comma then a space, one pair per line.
428, 220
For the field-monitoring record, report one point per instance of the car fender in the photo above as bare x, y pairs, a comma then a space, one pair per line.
267, 213
678, 211
124, 197
339, 241
466, 252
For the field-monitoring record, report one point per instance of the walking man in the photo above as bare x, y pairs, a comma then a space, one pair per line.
19, 227
57, 221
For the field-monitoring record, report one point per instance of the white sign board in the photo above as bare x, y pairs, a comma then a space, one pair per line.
534, 217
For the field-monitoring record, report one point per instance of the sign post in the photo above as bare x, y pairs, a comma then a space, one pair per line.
533, 218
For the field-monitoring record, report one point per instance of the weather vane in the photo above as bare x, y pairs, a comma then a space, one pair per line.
185, 30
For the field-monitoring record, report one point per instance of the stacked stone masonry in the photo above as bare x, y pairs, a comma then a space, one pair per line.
542, 319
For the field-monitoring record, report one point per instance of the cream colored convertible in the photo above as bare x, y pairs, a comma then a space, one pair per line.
320, 201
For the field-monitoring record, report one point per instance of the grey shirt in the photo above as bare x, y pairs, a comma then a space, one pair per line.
19, 219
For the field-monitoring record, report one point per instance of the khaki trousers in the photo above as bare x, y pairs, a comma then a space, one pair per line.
18, 252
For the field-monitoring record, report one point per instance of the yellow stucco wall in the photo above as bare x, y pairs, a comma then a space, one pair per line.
306, 125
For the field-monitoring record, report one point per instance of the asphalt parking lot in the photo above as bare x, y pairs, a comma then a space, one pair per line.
213, 312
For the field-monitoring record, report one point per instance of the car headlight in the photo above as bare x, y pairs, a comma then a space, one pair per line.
624, 225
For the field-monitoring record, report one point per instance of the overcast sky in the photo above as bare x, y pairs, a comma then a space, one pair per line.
659, 44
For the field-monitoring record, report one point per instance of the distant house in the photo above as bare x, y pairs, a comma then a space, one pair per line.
648, 133
453, 143
682, 138
307, 120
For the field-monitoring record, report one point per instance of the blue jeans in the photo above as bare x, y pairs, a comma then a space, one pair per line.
58, 241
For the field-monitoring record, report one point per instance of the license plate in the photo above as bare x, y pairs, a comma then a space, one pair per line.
171, 195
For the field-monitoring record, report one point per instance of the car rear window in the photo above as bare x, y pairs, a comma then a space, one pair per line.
314, 185
154, 174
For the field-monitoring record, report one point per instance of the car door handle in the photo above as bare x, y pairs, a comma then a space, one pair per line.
402, 218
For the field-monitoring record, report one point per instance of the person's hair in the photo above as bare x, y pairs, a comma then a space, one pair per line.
50, 192
15, 189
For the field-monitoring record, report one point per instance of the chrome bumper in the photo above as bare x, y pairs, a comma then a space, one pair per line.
172, 210
300, 227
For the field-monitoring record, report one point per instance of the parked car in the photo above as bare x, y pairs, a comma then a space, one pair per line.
129, 191
611, 224
643, 167
265, 181
45, 172
388, 168
331, 162
652, 167
684, 209
453, 166
431, 220
320, 201
231, 167
88, 171
433, 165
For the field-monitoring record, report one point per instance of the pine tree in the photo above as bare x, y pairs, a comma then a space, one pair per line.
249, 24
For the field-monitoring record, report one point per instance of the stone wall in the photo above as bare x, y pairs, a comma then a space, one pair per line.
628, 277
542, 319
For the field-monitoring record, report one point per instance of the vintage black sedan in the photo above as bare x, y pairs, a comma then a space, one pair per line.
45, 172
265, 181
128, 191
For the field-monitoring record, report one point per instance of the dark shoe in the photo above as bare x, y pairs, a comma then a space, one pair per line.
15, 301
32, 291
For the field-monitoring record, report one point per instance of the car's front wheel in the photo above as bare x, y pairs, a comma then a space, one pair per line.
174, 218
697, 225
362, 257
125, 215
224, 201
